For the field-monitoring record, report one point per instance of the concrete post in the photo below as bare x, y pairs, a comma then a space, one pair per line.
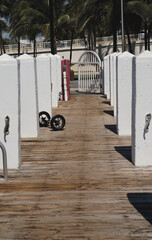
55, 93
44, 83
142, 110
106, 76
124, 93
10, 106
114, 82
111, 76
102, 76
29, 97
59, 77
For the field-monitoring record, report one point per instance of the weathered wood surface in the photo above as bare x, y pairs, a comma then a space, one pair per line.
78, 184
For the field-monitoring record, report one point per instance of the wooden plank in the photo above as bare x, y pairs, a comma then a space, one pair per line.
78, 184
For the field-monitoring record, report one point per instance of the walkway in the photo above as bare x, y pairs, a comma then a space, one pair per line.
78, 184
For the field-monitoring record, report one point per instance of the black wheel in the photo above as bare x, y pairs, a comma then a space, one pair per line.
44, 119
57, 122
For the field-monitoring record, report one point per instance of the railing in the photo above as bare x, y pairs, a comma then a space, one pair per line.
42, 46
4, 160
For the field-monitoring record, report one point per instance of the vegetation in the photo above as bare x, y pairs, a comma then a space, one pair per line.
68, 19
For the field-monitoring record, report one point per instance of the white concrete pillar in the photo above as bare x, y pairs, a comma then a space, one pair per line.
44, 83
102, 76
10, 106
114, 81
124, 93
59, 78
111, 76
142, 105
29, 97
106, 76
55, 93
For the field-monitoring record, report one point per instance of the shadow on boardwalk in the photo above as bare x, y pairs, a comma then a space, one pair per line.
110, 112
125, 151
111, 127
142, 202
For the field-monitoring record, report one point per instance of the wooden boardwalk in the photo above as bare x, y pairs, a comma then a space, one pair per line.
78, 184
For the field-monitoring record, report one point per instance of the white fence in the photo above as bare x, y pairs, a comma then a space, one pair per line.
27, 46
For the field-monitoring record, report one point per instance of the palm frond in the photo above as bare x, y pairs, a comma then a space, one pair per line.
140, 8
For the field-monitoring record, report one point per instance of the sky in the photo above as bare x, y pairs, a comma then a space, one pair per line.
5, 35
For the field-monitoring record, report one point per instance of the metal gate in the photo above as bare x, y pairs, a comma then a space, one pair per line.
89, 73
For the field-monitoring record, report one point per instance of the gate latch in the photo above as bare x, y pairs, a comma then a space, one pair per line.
6, 128
147, 123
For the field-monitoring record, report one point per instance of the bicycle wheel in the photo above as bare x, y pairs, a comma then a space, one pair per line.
44, 119
57, 122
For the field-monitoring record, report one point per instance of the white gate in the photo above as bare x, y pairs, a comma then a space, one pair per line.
89, 73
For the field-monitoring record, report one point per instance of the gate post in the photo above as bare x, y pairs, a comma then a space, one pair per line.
111, 76
115, 82
29, 97
59, 75
10, 111
44, 83
124, 93
142, 111
106, 76
55, 92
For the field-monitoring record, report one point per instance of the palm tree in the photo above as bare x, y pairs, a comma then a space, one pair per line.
56, 18
89, 18
56, 12
16, 27
136, 14
108, 14
27, 19
3, 24
114, 20
67, 23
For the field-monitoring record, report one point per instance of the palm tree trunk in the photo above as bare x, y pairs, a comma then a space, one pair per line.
114, 41
51, 26
55, 47
19, 47
129, 42
3, 47
71, 45
85, 41
92, 41
34, 46
94, 34
148, 36
0, 43
145, 36
89, 40
114, 26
